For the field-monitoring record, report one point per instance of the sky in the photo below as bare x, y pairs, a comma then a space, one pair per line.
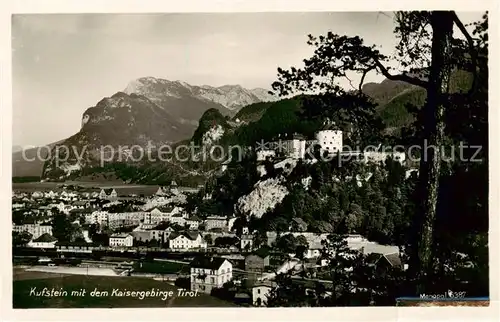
63, 64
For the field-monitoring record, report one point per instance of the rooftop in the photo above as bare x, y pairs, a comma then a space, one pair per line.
194, 218
121, 235
45, 238
262, 252
207, 262
188, 234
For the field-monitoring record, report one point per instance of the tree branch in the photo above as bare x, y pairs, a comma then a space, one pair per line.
402, 77
363, 77
350, 82
473, 53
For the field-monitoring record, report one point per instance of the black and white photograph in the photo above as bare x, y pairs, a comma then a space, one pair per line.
250, 159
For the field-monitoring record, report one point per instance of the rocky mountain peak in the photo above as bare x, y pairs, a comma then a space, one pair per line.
232, 97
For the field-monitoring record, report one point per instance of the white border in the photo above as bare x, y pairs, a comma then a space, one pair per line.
242, 314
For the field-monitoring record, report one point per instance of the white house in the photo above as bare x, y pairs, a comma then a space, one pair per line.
210, 272
108, 194
165, 213
193, 222
260, 292
246, 242
178, 219
132, 216
97, 217
186, 240
44, 241
215, 222
121, 240
156, 216
35, 230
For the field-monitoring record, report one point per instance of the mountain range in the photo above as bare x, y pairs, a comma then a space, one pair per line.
150, 110
158, 111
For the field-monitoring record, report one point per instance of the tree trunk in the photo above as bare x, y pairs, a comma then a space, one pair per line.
430, 162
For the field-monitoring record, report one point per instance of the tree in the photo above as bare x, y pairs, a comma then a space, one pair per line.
302, 247
62, 229
225, 241
353, 281
153, 243
289, 294
354, 218
21, 239
421, 35
93, 230
286, 244
79, 240
208, 238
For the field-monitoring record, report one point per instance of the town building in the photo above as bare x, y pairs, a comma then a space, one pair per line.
163, 213
215, 222
257, 261
35, 230
108, 194
330, 141
260, 292
178, 219
44, 241
121, 240
293, 147
186, 240
125, 219
156, 216
150, 234
37, 195
246, 242
97, 217
193, 222
296, 145
50, 195
208, 273
160, 191
74, 247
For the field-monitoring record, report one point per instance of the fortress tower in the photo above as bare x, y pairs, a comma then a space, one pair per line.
330, 140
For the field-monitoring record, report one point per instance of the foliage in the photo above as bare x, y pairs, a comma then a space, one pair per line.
210, 118
252, 112
353, 281
21, 239
62, 229
225, 241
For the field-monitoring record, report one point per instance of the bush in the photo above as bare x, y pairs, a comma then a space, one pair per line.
183, 282
223, 293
